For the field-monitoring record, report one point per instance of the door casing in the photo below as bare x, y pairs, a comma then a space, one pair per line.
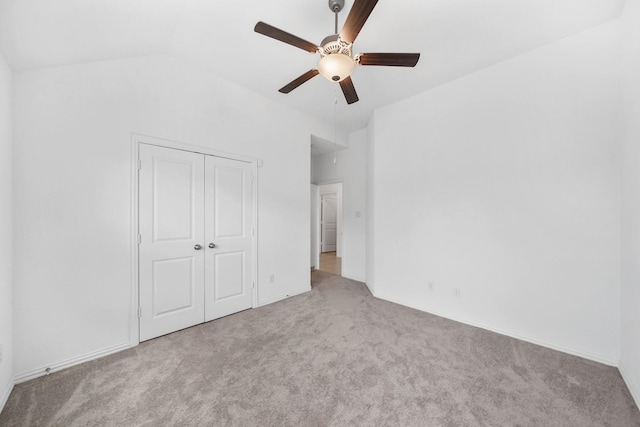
136, 140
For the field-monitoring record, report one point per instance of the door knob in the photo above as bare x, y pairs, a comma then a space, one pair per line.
197, 247
212, 245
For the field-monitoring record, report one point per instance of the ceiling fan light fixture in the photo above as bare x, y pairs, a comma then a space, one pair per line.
336, 67
337, 61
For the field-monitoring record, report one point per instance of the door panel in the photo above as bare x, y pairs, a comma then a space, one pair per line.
228, 225
229, 275
173, 204
229, 202
329, 222
171, 223
173, 285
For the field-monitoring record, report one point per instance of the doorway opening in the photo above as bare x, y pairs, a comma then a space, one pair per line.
330, 263
329, 228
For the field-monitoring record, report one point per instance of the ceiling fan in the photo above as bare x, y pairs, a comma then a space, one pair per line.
336, 61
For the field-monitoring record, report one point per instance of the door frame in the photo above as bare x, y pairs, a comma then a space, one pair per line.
314, 223
136, 140
339, 184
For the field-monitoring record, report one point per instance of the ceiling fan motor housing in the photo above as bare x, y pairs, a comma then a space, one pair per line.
334, 44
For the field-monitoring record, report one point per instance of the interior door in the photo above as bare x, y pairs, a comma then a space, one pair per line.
329, 222
228, 228
171, 225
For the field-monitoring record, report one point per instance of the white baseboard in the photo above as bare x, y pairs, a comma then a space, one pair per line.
4, 397
55, 367
371, 290
281, 297
634, 387
355, 278
585, 355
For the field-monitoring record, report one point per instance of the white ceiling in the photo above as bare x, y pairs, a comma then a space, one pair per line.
455, 38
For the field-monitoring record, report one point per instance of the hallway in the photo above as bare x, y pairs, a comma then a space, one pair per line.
330, 263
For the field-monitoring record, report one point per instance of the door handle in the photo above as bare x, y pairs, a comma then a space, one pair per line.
212, 245
197, 247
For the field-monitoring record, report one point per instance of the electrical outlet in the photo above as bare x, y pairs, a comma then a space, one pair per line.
456, 291
430, 286
272, 278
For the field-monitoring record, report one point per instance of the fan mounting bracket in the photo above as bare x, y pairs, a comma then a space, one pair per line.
336, 5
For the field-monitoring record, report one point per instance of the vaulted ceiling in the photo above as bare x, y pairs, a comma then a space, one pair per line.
455, 38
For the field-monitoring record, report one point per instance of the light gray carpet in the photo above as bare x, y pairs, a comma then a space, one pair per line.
333, 356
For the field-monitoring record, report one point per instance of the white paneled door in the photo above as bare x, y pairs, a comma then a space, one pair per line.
329, 222
195, 243
171, 213
228, 230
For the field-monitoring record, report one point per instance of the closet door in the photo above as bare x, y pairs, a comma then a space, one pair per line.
171, 252
228, 228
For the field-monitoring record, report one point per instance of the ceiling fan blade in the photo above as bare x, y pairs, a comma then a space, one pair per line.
297, 82
285, 37
390, 59
358, 15
349, 90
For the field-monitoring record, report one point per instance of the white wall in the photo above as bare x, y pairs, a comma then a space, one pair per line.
323, 170
6, 232
72, 166
630, 339
350, 169
370, 225
506, 185
354, 219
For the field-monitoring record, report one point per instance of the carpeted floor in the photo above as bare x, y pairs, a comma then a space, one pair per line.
333, 356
